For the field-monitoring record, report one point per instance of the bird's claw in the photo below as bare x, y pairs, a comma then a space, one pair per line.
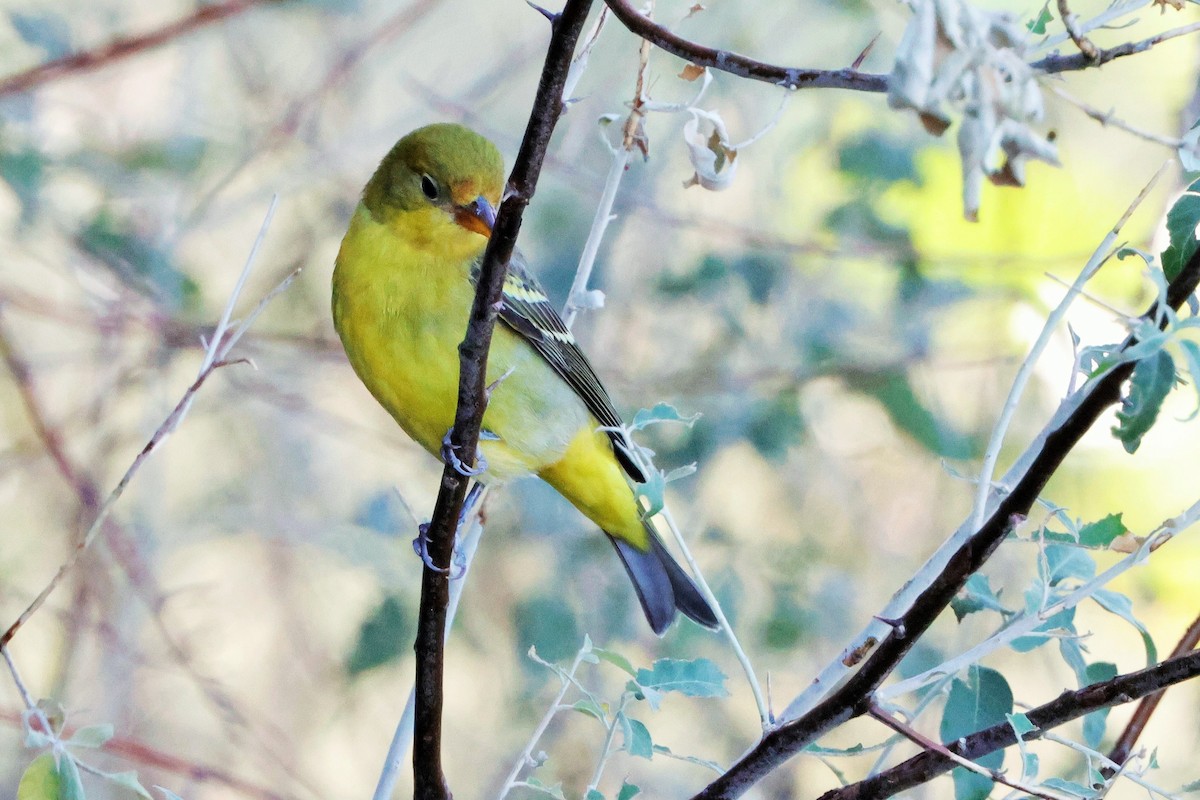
421, 548
449, 456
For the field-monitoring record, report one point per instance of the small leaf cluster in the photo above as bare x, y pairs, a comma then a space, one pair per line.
699, 678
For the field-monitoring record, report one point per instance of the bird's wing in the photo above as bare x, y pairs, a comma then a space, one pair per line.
527, 311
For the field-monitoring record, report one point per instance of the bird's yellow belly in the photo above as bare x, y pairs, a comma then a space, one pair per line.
407, 356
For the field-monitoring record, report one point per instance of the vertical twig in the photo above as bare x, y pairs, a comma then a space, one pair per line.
429, 782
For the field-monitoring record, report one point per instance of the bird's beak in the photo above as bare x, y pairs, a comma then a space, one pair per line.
477, 216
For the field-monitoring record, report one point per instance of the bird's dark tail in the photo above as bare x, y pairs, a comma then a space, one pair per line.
661, 584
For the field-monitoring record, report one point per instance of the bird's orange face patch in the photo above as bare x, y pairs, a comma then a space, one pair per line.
476, 215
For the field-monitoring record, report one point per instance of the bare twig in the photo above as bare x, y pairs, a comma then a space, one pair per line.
1068, 706
566, 680
931, 746
1071, 23
168, 426
1099, 256
740, 65
468, 541
1109, 119
1141, 715
1077, 61
122, 48
429, 780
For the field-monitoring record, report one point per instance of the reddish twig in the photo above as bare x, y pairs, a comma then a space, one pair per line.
1141, 715
144, 755
429, 781
122, 48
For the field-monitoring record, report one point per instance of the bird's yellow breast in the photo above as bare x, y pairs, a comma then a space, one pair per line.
400, 304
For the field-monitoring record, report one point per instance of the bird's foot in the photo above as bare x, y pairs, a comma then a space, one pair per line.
451, 458
458, 567
421, 548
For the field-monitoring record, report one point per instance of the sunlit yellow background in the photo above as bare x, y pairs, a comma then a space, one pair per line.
214, 620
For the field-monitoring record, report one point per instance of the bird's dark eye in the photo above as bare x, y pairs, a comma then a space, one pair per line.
429, 187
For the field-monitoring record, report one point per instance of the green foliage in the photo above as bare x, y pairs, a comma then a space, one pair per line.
1069, 787
1122, 606
775, 424
24, 172
788, 623
759, 273
1153, 378
894, 392
1037, 25
628, 791
1093, 723
46, 779
637, 741
92, 736
383, 637
660, 413
982, 700
695, 678
554, 791
179, 155
383, 512
1062, 622
143, 265
546, 622
1094, 535
859, 220
1182, 220
44, 30
977, 595
1062, 562
874, 156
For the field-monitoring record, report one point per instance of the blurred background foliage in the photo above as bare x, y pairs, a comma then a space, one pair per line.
245, 621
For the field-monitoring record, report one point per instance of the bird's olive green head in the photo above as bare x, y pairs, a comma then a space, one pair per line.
445, 172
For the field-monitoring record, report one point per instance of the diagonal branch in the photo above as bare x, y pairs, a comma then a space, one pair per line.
429, 780
1141, 715
740, 65
808, 78
1078, 61
118, 49
853, 697
1064, 708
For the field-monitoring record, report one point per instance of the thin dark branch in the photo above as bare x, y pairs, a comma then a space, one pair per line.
429, 780
740, 65
1064, 708
852, 79
1078, 61
122, 48
929, 745
852, 698
1146, 708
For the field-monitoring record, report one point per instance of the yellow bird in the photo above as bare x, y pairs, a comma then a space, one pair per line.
403, 286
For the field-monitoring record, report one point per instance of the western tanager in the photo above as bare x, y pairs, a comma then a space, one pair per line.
403, 286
